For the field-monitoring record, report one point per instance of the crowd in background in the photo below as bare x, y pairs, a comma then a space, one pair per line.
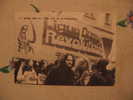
65, 70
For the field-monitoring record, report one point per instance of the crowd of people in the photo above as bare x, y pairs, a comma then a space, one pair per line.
66, 70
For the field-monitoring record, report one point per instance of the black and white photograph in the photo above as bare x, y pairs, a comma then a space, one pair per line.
65, 48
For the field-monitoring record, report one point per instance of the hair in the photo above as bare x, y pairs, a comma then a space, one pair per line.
102, 64
65, 57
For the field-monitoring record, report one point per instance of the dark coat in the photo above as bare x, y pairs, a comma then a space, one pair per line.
61, 75
106, 78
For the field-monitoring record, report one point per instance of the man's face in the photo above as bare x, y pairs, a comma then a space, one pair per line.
69, 61
60, 57
31, 63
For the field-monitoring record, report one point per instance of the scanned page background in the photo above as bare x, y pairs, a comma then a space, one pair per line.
123, 88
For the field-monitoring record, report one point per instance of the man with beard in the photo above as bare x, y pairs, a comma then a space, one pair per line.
63, 74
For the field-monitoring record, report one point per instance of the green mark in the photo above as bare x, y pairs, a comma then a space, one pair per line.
6, 69
123, 23
36, 9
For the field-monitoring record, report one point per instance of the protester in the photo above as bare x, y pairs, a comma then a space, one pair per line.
29, 75
41, 72
81, 68
17, 67
63, 74
100, 74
